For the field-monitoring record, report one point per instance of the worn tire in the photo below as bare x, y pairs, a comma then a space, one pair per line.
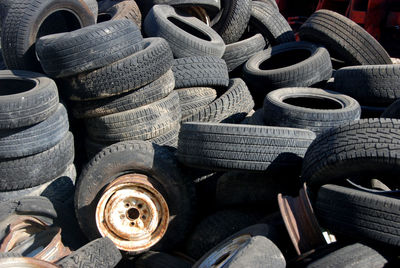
344, 39
361, 149
141, 123
270, 23
232, 106
194, 39
157, 162
309, 108
120, 9
359, 214
216, 227
200, 72
195, 98
28, 98
36, 138
93, 7
58, 189
23, 22
218, 146
294, 64
257, 251
232, 20
67, 54
26, 172
134, 71
374, 85
155, 91
100, 253
239, 52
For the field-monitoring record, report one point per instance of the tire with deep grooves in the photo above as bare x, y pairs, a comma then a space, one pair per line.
183, 43
344, 39
26, 172
156, 90
267, 19
21, 27
193, 99
279, 113
220, 146
121, 9
374, 85
143, 157
359, 214
231, 106
27, 106
200, 72
362, 149
36, 138
134, 71
89, 48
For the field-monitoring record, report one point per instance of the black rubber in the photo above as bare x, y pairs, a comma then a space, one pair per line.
93, 7
36, 138
37, 206
271, 2
210, 3
141, 123
265, 17
200, 72
357, 255
154, 259
232, 106
373, 85
344, 39
309, 108
21, 173
100, 253
363, 149
89, 48
195, 98
372, 111
255, 118
218, 146
156, 90
218, 226
393, 111
26, 98
238, 53
359, 214
120, 9
58, 189
29, 20
232, 20
156, 162
294, 64
134, 71
187, 36
258, 251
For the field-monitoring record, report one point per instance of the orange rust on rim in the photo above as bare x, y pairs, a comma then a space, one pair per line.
24, 227
25, 262
199, 13
300, 222
132, 213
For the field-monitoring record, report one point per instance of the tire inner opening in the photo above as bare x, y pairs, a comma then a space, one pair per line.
313, 103
132, 214
284, 59
15, 86
103, 17
189, 29
59, 22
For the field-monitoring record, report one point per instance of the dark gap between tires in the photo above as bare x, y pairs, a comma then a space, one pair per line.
103, 17
221, 259
189, 29
284, 59
15, 86
59, 22
313, 103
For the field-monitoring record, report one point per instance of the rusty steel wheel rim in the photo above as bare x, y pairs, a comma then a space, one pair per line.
223, 254
132, 213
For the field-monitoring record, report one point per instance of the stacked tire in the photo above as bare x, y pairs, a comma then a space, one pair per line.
135, 103
37, 149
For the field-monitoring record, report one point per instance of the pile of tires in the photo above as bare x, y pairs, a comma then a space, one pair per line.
200, 120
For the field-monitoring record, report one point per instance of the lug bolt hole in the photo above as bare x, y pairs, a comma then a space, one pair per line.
140, 206
143, 217
127, 205
132, 224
